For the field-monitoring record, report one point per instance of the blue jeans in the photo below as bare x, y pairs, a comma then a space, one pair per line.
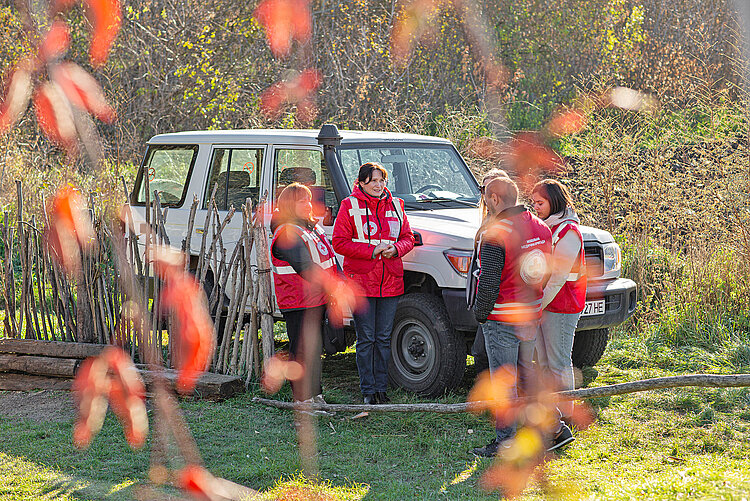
554, 348
374, 326
510, 345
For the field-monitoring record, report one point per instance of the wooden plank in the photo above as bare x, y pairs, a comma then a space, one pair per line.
27, 382
57, 349
42, 366
210, 386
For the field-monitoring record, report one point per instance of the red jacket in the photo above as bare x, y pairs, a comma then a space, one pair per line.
363, 222
293, 291
527, 243
572, 296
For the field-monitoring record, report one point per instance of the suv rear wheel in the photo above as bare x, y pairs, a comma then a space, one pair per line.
589, 346
427, 356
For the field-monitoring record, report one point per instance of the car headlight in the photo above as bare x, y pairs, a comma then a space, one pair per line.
459, 260
612, 258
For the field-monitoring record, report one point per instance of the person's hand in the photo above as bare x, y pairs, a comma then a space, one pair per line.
382, 246
390, 251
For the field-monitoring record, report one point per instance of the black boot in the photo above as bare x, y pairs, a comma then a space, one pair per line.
369, 399
382, 398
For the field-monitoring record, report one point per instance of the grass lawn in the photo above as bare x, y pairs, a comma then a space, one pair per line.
683, 443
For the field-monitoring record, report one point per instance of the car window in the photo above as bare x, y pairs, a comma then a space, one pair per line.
167, 169
235, 173
416, 173
306, 167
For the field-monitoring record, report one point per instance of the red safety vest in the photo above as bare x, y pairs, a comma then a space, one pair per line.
293, 291
572, 295
527, 243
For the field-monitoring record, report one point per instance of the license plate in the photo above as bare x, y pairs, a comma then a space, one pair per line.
593, 308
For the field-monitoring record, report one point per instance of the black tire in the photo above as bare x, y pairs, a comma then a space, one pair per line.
589, 346
427, 356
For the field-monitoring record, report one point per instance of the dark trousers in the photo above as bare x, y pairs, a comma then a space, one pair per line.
303, 329
373, 326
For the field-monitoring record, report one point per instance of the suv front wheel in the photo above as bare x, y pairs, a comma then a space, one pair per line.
427, 356
589, 346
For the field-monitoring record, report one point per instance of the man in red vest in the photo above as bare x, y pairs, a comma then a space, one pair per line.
514, 246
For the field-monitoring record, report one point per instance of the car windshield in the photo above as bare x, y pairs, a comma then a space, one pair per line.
424, 176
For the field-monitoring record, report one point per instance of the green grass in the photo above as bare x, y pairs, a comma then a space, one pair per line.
672, 444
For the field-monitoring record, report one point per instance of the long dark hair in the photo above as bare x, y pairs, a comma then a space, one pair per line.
555, 193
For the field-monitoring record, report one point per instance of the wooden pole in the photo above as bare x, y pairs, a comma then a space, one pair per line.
698, 380
22, 258
265, 297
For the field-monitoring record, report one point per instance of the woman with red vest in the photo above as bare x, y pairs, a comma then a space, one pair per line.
373, 234
303, 261
565, 293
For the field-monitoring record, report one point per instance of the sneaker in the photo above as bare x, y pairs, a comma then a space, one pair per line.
382, 398
489, 450
561, 438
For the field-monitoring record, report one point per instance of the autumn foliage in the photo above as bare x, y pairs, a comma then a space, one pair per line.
184, 298
70, 230
110, 378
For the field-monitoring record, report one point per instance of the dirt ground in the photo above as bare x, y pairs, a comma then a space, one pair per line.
39, 406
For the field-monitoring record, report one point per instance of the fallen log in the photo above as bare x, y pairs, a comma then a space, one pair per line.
57, 349
10, 381
40, 366
210, 386
698, 380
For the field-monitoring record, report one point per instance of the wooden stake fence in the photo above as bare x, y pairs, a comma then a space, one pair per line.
116, 295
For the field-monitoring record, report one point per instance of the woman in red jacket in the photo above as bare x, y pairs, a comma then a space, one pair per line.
304, 269
373, 234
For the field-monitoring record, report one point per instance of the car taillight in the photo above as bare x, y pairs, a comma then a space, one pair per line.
459, 259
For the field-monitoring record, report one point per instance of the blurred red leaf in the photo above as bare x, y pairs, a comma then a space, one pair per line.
494, 393
527, 156
82, 90
127, 395
197, 482
56, 42
55, 117
511, 478
279, 369
60, 5
106, 19
90, 386
70, 228
15, 96
295, 91
566, 122
112, 376
284, 21
195, 334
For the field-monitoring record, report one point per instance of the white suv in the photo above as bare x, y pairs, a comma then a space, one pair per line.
433, 328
